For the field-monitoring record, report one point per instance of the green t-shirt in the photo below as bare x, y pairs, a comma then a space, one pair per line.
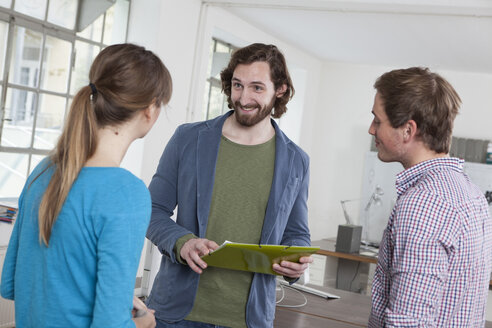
243, 178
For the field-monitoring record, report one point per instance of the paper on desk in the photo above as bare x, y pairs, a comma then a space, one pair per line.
367, 253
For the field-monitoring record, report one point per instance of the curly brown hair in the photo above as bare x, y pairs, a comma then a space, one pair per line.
279, 73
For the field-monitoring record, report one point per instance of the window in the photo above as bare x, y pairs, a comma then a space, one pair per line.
215, 102
45, 58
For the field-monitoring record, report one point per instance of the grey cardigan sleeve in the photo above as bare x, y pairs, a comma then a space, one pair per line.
164, 231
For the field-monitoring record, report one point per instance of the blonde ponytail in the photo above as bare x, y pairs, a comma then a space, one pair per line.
75, 145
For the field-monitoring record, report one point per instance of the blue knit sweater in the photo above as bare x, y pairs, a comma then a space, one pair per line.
86, 277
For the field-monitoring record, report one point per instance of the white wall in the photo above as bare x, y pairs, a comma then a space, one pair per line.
159, 26
144, 35
341, 140
475, 90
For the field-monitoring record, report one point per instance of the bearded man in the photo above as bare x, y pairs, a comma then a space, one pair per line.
236, 177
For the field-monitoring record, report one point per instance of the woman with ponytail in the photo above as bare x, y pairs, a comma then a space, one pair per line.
74, 252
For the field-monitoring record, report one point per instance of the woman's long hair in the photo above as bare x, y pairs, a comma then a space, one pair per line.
124, 79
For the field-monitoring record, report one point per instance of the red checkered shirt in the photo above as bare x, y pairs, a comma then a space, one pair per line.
435, 256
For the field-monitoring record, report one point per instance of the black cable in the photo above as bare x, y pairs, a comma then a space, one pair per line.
355, 276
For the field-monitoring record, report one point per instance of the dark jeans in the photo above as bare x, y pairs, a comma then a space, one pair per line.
185, 324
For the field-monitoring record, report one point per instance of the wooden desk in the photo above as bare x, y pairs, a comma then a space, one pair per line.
353, 268
350, 311
328, 249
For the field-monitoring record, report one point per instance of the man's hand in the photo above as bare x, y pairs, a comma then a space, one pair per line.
292, 269
193, 249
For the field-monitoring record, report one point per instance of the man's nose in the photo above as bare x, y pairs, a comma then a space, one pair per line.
245, 96
372, 130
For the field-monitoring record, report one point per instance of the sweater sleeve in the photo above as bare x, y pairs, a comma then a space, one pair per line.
179, 244
9, 265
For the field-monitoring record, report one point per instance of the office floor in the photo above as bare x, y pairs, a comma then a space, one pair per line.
488, 313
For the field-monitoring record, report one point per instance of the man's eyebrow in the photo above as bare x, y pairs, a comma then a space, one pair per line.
235, 79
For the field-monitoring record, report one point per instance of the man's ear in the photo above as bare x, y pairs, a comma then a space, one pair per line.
410, 130
281, 90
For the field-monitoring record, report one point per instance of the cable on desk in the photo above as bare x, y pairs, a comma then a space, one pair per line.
355, 276
290, 306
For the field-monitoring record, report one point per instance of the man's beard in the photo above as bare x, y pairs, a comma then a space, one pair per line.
250, 120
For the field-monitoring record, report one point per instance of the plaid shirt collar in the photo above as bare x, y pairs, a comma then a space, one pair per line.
409, 177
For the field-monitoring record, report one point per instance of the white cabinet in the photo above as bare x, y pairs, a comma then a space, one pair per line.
7, 318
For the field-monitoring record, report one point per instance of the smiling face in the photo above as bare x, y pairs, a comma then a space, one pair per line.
389, 140
253, 93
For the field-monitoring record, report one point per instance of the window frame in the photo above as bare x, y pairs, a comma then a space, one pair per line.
15, 19
212, 80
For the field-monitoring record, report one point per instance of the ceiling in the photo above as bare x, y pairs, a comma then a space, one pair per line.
443, 34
